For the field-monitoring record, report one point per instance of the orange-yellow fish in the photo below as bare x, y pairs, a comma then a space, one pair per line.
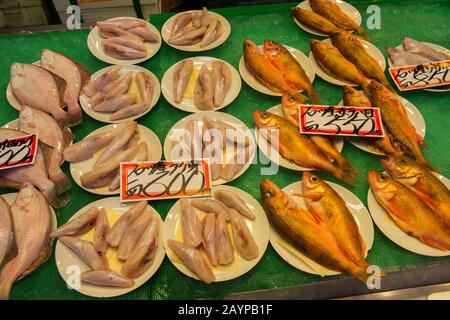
315, 21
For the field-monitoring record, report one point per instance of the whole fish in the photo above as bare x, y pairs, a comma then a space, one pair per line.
235, 164
233, 201
122, 52
354, 51
145, 34
126, 24
293, 72
188, 36
204, 89
86, 252
290, 105
331, 11
328, 207
145, 85
242, 237
6, 230
106, 279
222, 80
260, 66
210, 205
335, 64
224, 247
129, 111
205, 18
127, 41
105, 78
101, 231
32, 222
191, 227
402, 58
180, 22
212, 33
115, 103
193, 259
209, 238
423, 50
408, 211
396, 120
181, 77
108, 30
311, 238
77, 226
297, 147
315, 21
423, 182
120, 87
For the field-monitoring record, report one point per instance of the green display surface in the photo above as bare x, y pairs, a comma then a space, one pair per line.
421, 20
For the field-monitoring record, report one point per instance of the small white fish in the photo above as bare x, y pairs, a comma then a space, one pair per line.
180, 22
115, 103
93, 86
188, 36
210, 205
120, 88
145, 34
77, 226
209, 237
181, 77
222, 80
129, 111
101, 231
191, 227
106, 279
204, 89
242, 237
86, 252
232, 200
224, 248
423, 50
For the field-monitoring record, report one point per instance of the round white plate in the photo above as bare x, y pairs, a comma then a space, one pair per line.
357, 209
66, 259
373, 51
347, 8
94, 42
214, 115
259, 229
77, 169
226, 30
11, 97
250, 79
188, 104
414, 116
397, 235
104, 116
435, 47
275, 156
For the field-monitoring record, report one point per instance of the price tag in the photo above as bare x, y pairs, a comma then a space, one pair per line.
421, 76
341, 121
155, 180
17, 152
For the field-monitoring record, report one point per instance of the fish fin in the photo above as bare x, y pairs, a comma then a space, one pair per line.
348, 169
346, 176
313, 96
314, 196
399, 215
434, 243
60, 200
421, 141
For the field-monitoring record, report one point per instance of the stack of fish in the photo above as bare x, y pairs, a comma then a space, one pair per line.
190, 28
134, 237
415, 199
326, 233
125, 39
109, 93
118, 144
327, 17
212, 233
24, 236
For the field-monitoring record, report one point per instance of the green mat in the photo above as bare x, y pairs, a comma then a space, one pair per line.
422, 20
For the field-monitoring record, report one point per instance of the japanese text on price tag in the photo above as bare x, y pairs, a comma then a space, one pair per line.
16, 152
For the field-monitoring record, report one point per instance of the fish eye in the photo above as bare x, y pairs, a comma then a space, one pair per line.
269, 193
265, 114
292, 98
314, 178
383, 177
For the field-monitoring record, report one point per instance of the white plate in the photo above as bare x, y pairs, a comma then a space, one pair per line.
226, 30
77, 169
414, 116
373, 51
65, 258
259, 229
188, 104
250, 79
347, 8
94, 42
357, 209
275, 156
435, 47
214, 115
397, 235
11, 97
104, 116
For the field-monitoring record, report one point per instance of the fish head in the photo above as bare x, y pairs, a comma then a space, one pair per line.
264, 119
402, 167
295, 9
271, 47
349, 90
249, 46
313, 185
292, 101
273, 197
375, 87
380, 182
314, 43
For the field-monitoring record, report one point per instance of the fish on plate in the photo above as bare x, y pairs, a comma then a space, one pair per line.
315, 21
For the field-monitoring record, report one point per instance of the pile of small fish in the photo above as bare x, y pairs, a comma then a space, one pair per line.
134, 236
211, 233
327, 17
24, 236
415, 199
208, 138
413, 52
120, 144
211, 84
190, 28
327, 232
277, 69
125, 39
310, 151
109, 93
51, 85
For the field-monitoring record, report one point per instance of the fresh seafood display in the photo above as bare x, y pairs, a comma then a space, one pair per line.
315, 21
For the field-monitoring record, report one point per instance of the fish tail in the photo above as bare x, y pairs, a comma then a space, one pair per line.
5, 281
58, 201
365, 86
347, 173
74, 116
362, 33
313, 96
61, 181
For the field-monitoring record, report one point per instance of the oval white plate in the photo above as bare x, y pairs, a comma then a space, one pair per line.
259, 229
373, 51
11, 97
226, 30
275, 156
213, 115
77, 169
397, 235
65, 258
357, 209
104, 116
94, 42
188, 104
250, 79
414, 116
435, 47
347, 8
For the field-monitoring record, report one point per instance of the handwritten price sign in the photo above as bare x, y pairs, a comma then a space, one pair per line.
164, 180
17, 152
421, 76
342, 121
